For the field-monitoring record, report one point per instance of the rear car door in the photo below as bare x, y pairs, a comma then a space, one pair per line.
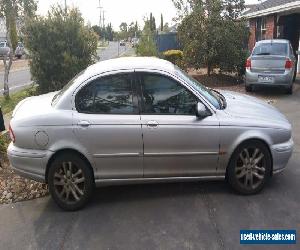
107, 124
176, 142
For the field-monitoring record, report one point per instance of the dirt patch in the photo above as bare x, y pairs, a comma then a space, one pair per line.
18, 64
15, 188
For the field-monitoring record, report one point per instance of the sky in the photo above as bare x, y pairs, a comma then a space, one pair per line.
118, 11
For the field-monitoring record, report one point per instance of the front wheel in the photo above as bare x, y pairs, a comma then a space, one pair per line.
249, 168
70, 181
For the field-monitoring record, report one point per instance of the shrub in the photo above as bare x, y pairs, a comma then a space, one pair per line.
176, 57
60, 46
173, 55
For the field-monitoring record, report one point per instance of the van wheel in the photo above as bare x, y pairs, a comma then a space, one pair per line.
70, 181
249, 168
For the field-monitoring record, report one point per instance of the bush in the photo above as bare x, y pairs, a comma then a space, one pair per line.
173, 55
60, 46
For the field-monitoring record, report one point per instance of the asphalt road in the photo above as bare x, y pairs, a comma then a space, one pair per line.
113, 50
19, 79
201, 215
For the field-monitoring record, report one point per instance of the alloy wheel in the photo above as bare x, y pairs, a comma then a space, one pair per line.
250, 168
69, 182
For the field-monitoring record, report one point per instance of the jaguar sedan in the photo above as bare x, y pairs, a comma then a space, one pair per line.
143, 120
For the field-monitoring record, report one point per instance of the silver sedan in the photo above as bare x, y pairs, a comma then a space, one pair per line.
142, 120
272, 63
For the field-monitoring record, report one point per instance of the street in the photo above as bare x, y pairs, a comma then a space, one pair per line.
201, 215
19, 79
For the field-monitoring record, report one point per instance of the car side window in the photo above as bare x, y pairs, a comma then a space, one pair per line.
107, 95
163, 95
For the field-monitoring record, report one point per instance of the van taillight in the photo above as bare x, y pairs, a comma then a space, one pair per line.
248, 63
288, 64
11, 134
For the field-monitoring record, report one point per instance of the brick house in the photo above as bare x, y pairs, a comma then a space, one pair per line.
274, 19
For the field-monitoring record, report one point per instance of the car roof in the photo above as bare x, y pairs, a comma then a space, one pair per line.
273, 41
128, 63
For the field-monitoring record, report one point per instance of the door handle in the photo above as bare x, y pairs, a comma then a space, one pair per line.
84, 123
152, 124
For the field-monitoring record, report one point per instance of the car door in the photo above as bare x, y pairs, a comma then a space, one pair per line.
176, 142
107, 124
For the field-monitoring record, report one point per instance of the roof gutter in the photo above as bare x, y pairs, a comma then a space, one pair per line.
272, 10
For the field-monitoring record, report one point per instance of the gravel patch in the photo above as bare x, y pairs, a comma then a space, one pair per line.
14, 188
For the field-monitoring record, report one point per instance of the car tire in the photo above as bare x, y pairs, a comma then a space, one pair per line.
289, 90
248, 88
249, 168
70, 181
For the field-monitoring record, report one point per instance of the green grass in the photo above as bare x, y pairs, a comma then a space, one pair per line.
8, 105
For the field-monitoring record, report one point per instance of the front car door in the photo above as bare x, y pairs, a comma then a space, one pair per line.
107, 124
176, 142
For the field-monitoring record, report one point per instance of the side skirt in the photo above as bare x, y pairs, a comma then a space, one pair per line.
111, 182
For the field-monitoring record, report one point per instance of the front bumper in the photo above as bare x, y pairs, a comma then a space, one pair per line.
281, 154
30, 163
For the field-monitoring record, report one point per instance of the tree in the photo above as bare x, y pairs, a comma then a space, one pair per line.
60, 46
161, 22
147, 44
12, 10
210, 33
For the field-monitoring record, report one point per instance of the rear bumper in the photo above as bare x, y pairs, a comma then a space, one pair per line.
281, 154
285, 79
28, 162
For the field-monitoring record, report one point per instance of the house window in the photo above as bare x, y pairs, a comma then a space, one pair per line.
261, 28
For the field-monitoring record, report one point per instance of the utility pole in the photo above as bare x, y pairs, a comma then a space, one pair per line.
66, 6
100, 13
103, 18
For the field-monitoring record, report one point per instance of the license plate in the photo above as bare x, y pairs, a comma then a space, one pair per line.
266, 79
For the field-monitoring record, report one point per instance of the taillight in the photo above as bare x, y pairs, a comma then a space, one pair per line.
288, 64
248, 63
11, 134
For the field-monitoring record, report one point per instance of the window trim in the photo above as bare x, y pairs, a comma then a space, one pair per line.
139, 82
111, 74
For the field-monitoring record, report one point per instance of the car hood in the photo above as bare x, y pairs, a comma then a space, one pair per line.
252, 109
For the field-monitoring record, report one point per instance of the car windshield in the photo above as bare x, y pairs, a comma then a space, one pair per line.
209, 95
65, 88
271, 49
2, 45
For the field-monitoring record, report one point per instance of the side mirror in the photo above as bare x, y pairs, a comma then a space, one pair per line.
202, 111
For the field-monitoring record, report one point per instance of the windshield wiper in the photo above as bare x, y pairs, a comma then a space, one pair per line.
262, 54
222, 99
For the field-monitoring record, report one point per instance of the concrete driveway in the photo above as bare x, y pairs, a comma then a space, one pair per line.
205, 215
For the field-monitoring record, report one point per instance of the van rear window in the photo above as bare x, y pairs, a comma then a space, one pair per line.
271, 49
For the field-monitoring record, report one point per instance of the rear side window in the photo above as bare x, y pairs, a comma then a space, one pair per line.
271, 49
107, 95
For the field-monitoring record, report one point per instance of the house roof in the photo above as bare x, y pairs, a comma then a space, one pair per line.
269, 7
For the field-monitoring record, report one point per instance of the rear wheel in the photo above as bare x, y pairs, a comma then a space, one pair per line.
248, 88
249, 167
70, 181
